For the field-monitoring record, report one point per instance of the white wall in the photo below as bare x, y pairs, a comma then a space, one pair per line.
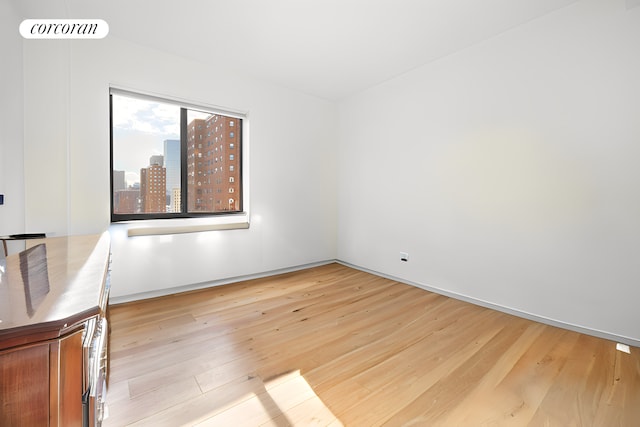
11, 133
46, 136
292, 163
508, 171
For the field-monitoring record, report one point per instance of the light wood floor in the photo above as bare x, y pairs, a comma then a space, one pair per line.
336, 346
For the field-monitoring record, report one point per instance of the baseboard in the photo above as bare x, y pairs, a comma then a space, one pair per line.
203, 285
518, 313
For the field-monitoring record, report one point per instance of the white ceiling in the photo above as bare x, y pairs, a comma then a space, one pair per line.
326, 48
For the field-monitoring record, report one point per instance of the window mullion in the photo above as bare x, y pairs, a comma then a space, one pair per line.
184, 161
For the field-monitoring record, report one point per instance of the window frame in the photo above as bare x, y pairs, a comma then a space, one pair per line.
184, 107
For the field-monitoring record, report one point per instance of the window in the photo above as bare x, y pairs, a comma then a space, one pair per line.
156, 153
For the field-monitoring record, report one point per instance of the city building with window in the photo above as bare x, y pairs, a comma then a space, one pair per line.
119, 182
213, 164
126, 201
176, 200
153, 187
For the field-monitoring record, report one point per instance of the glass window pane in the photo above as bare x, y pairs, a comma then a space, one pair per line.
146, 156
171, 161
206, 171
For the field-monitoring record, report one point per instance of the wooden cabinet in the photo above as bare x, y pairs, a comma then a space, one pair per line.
24, 386
53, 299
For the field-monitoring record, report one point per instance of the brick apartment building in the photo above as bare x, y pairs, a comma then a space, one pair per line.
213, 164
153, 188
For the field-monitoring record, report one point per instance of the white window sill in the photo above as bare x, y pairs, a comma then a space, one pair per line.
157, 227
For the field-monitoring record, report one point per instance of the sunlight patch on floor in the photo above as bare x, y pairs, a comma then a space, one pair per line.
286, 400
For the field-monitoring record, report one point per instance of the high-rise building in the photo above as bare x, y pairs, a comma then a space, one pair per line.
172, 165
156, 159
213, 165
118, 181
126, 201
176, 200
153, 187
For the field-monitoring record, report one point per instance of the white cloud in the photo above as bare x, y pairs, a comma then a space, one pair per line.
139, 130
146, 116
169, 116
131, 178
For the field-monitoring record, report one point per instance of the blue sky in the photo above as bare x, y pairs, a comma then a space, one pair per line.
139, 130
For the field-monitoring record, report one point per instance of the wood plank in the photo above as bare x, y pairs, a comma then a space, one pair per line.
335, 346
